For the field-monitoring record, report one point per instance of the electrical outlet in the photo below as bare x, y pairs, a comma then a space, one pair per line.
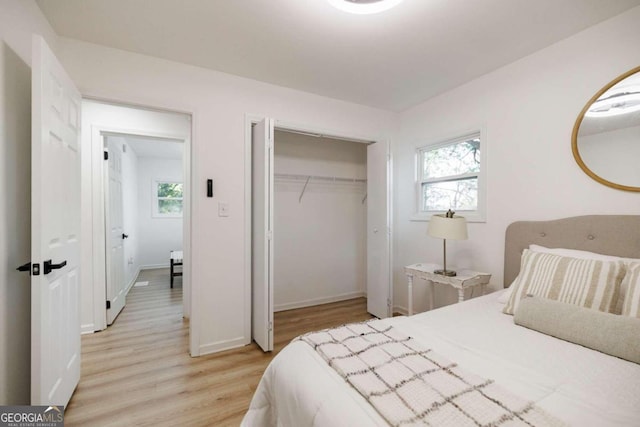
223, 209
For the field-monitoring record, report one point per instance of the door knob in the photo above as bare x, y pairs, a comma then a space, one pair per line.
49, 266
125, 236
375, 230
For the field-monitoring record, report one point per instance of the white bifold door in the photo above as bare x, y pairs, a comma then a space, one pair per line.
115, 235
262, 234
55, 230
379, 290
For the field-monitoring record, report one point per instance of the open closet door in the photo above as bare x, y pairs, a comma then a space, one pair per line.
378, 230
115, 235
55, 230
262, 234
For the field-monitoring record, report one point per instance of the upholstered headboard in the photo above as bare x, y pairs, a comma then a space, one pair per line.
617, 235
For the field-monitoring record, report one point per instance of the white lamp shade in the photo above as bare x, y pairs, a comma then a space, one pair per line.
447, 228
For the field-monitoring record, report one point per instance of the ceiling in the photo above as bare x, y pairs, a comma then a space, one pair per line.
155, 147
392, 60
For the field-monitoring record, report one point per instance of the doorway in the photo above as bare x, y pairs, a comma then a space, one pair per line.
143, 201
346, 183
136, 228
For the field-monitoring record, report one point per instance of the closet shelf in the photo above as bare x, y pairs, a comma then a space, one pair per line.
317, 178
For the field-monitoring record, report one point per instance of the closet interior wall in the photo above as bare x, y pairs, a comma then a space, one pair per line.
319, 220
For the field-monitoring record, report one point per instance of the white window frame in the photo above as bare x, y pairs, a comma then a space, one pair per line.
154, 199
477, 215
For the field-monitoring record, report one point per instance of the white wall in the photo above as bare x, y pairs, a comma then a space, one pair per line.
98, 116
219, 103
130, 209
613, 155
320, 242
18, 20
157, 236
528, 109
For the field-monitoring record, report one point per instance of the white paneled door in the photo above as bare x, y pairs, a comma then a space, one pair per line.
379, 291
55, 230
116, 286
262, 234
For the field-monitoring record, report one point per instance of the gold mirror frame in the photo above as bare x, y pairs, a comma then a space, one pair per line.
576, 127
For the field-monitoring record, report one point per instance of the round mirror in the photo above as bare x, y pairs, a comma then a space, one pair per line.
606, 137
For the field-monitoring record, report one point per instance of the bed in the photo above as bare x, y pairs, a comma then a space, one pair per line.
572, 384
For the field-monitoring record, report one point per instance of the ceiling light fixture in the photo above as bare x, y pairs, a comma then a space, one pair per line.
364, 7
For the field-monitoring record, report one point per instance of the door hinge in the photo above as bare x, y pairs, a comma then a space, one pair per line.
108, 304
389, 302
270, 326
269, 235
106, 155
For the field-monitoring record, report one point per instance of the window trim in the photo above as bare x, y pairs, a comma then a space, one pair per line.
478, 215
155, 213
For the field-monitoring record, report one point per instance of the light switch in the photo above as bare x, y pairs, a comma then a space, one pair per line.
223, 209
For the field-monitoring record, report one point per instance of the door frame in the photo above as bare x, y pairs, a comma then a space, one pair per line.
252, 119
98, 214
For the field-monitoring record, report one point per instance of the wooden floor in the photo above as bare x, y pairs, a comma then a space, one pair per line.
138, 371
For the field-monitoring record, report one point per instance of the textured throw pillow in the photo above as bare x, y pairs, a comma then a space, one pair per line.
631, 281
574, 253
584, 282
605, 332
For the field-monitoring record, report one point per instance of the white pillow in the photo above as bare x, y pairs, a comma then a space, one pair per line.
504, 297
575, 253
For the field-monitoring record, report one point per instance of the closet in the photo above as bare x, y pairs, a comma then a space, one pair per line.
320, 223
320, 217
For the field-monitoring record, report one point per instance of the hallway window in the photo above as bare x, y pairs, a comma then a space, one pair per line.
168, 199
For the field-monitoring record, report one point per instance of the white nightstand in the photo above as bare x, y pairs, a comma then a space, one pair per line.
463, 280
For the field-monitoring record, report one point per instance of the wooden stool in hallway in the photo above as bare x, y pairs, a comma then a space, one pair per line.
175, 260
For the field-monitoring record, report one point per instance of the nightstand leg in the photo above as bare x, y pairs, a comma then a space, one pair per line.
460, 295
432, 295
410, 292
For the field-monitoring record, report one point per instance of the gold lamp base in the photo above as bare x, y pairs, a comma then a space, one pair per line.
448, 273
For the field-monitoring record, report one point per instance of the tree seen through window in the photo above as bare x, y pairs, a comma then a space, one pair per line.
450, 174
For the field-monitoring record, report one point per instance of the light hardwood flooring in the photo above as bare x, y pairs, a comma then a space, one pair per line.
138, 371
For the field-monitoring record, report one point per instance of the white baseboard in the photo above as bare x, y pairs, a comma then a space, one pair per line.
153, 266
87, 329
133, 281
217, 346
318, 301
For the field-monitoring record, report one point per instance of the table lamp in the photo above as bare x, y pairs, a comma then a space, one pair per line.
447, 226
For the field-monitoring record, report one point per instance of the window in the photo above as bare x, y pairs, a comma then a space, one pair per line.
167, 201
449, 177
